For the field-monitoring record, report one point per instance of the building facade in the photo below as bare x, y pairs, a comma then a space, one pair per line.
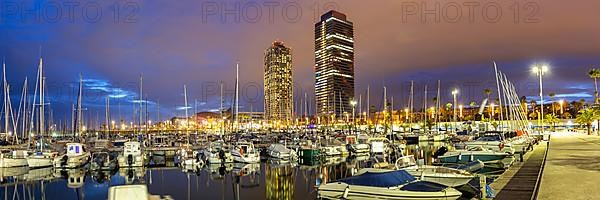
278, 83
334, 64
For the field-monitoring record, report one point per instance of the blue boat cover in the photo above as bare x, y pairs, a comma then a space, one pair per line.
423, 186
384, 179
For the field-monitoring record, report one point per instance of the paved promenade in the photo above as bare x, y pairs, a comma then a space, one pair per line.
572, 168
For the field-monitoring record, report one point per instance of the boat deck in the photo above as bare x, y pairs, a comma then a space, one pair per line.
521, 180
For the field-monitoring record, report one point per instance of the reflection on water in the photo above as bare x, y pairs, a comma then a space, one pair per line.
268, 180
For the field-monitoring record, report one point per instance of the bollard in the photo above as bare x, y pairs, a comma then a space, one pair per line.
521, 156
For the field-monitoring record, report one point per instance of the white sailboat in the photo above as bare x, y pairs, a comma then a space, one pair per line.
189, 159
76, 155
10, 158
41, 158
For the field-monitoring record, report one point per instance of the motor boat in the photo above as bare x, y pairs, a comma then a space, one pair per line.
133, 192
437, 174
75, 157
41, 159
217, 153
281, 152
492, 140
469, 155
13, 158
378, 145
189, 159
103, 161
397, 184
244, 152
132, 155
355, 147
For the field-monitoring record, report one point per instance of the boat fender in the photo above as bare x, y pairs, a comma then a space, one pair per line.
346, 191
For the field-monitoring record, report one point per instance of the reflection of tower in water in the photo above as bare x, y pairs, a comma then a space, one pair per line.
280, 182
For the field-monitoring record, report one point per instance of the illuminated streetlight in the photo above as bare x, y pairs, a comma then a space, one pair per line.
460, 107
561, 102
454, 93
540, 70
353, 103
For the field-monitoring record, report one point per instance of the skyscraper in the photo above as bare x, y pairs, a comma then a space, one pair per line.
334, 64
278, 83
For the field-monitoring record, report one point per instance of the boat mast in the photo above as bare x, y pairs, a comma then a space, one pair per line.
141, 103
498, 87
221, 108
78, 117
237, 73
187, 120
425, 109
5, 99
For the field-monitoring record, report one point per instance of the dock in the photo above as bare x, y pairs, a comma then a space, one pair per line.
521, 181
572, 168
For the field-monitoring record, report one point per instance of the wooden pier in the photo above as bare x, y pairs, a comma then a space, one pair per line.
521, 181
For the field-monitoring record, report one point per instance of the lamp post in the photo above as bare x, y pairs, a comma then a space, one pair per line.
540, 70
561, 102
454, 93
353, 103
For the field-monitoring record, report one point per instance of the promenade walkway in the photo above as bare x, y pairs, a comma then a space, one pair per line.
572, 168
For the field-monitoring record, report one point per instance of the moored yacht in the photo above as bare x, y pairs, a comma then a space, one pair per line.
244, 152
75, 157
217, 153
132, 155
41, 159
13, 158
280, 151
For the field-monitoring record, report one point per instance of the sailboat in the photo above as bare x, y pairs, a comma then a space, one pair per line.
10, 158
189, 159
76, 155
41, 158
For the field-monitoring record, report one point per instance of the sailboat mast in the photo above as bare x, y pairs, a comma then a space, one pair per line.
221, 107
411, 101
498, 87
141, 103
237, 98
187, 120
5, 99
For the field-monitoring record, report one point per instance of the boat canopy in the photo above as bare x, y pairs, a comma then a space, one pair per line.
424, 186
385, 179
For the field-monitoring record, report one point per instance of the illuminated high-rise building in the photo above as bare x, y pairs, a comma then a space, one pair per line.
278, 83
334, 64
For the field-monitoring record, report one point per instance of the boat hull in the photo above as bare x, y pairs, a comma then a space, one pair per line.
345, 191
13, 162
39, 162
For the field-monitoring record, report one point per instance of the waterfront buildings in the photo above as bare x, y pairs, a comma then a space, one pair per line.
278, 83
334, 64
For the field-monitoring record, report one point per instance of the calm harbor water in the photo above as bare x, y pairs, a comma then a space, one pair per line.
267, 180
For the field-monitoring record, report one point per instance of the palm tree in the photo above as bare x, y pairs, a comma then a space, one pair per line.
586, 117
551, 119
487, 92
595, 74
552, 95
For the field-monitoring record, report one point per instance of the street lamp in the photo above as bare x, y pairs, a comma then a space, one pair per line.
460, 107
353, 103
561, 102
454, 93
540, 70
